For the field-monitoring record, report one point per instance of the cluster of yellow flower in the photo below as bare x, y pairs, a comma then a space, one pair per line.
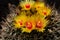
36, 21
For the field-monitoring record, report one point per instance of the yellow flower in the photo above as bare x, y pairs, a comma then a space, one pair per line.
39, 6
46, 11
29, 24
41, 24
26, 5
20, 20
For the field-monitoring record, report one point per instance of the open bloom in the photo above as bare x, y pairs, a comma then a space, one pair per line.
26, 5
40, 25
19, 21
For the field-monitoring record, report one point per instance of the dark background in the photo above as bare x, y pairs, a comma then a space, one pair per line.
4, 6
